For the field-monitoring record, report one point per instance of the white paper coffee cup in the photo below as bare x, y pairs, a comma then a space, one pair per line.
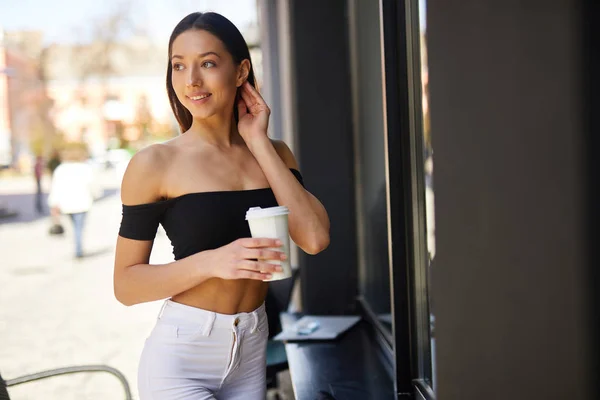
272, 223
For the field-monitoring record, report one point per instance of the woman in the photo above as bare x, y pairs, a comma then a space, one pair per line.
210, 338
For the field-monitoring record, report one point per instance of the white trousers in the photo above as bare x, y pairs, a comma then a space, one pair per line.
200, 355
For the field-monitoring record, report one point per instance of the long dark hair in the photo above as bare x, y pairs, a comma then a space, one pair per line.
234, 42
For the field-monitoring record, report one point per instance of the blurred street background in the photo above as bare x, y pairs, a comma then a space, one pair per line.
58, 311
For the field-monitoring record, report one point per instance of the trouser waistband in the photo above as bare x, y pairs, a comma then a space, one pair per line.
177, 312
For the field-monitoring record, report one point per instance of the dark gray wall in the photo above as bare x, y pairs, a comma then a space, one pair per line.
510, 276
592, 96
323, 145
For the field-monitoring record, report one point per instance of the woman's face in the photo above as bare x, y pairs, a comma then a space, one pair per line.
205, 78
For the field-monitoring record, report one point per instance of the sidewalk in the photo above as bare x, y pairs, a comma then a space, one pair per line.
56, 311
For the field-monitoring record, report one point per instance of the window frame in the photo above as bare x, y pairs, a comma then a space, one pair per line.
406, 197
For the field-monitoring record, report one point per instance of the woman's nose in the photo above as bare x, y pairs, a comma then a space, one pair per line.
194, 78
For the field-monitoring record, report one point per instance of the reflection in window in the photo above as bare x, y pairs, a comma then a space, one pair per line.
428, 175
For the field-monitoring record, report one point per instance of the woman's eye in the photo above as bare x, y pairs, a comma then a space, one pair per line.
208, 64
177, 67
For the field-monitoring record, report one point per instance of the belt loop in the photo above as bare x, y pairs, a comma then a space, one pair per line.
210, 322
162, 308
255, 325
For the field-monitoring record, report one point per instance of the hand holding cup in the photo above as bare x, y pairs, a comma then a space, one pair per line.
272, 223
248, 258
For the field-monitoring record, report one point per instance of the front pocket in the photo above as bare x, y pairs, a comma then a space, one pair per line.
176, 332
188, 332
164, 331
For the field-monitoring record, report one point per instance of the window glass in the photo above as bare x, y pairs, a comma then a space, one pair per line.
372, 219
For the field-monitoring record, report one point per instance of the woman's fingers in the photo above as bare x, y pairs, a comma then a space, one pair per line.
263, 254
251, 257
245, 274
260, 266
242, 110
256, 104
247, 99
253, 93
256, 243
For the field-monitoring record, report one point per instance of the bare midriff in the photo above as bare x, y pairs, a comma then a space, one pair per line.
225, 296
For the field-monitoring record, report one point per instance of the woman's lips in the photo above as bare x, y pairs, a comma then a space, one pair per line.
199, 98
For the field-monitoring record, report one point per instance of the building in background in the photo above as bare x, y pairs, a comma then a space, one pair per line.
5, 135
24, 102
107, 94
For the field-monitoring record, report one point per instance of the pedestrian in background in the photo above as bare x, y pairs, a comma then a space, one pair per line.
72, 191
38, 172
53, 162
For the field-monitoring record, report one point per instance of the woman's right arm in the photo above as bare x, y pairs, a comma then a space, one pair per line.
137, 281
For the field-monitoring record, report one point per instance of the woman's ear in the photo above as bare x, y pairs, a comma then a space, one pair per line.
243, 72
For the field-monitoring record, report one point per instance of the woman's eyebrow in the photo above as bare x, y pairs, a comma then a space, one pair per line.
201, 55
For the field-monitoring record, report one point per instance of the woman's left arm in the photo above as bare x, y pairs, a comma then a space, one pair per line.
308, 219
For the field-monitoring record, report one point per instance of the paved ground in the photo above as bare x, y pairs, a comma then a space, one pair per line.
56, 311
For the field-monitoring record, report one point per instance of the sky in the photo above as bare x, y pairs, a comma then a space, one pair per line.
62, 21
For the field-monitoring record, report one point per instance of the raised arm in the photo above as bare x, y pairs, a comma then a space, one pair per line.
308, 219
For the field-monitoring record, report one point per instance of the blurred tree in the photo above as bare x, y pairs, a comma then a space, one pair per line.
162, 131
42, 129
143, 118
95, 56
98, 57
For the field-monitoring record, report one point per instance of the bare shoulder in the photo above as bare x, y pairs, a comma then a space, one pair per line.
285, 153
143, 179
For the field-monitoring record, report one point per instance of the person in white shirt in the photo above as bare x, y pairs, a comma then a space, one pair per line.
72, 191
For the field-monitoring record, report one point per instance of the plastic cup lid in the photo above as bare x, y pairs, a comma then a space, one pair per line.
258, 212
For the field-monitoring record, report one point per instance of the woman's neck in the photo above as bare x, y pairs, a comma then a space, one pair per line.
220, 132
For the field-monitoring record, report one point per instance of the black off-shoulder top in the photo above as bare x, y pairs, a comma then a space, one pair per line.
199, 221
